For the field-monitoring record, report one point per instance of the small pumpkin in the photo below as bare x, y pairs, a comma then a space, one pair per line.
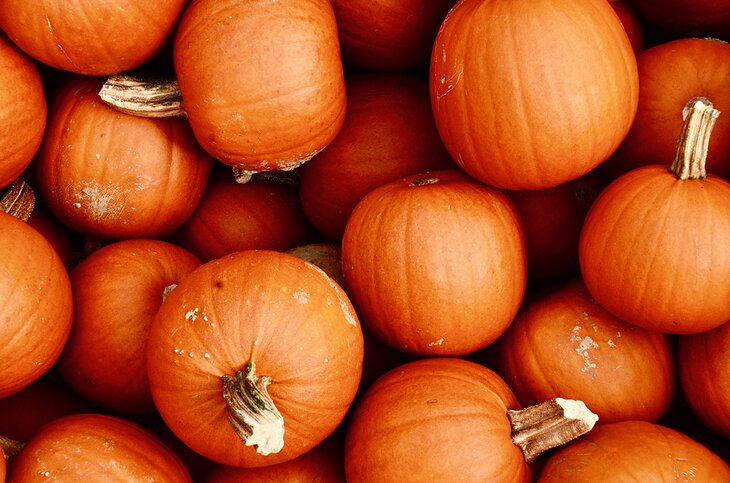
22, 111
521, 100
654, 246
93, 38
262, 82
254, 358
37, 305
95, 447
117, 291
435, 263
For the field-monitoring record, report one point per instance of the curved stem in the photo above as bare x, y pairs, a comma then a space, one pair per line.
251, 411
699, 118
9, 447
143, 97
18, 199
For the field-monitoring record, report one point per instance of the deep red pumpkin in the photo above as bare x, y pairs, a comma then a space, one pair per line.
117, 291
269, 315
35, 315
521, 99
435, 263
113, 175
262, 82
95, 38
22, 111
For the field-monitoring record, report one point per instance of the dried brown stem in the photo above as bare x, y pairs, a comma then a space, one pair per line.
694, 140
143, 97
18, 199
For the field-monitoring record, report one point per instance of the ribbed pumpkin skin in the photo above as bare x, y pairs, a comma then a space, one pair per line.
113, 175
521, 100
688, 17
434, 420
95, 447
93, 38
633, 451
563, 344
283, 314
262, 81
704, 365
22, 111
437, 268
35, 314
671, 74
654, 250
117, 291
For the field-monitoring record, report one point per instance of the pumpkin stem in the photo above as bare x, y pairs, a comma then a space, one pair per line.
699, 118
549, 424
251, 411
168, 290
143, 96
18, 199
9, 447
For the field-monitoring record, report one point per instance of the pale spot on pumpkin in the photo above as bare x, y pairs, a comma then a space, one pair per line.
301, 297
192, 315
207, 355
436, 343
584, 346
611, 343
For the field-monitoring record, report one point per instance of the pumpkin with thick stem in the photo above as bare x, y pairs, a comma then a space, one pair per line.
654, 246
254, 358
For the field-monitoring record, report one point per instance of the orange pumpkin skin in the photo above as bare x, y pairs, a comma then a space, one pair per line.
36, 309
563, 344
653, 250
22, 111
632, 24
276, 310
435, 263
634, 451
59, 236
521, 100
117, 291
688, 17
388, 34
262, 82
704, 363
671, 73
113, 175
434, 420
95, 447
93, 38
388, 133
231, 217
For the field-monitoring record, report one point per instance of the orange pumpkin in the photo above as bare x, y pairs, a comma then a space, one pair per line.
262, 325
435, 263
262, 81
521, 99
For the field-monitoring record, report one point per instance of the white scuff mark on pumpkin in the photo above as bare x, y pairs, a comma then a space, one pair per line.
342, 299
450, 83
207, 355
192, 315
97, 156
326, 359
301, 297
584, 346
611, 343
76, 205
190, 354
101, 201
436, 343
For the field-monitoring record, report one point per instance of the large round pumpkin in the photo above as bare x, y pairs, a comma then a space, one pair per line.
113, 175
435, 263
563, 344
22, 111
262, 325
36, 305
95, 447
522, 100
96, 38
117, 291
262, 81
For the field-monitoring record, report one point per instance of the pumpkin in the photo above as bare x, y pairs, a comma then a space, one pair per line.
388, 34
60, 237
521, 100
117, 291
36, 309
95, 447
704, 362
261, 214
388, 133
563, 344
654, 246
94, 38
632, 23
688, 17
254, 324
634, 451
113, 175
447, 420
22, 111
326, 256
262, 82
435, 263
670, 74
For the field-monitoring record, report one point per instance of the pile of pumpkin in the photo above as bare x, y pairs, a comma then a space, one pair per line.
313, 240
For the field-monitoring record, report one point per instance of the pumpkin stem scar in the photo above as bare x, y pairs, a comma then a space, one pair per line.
699, 118
251, 411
